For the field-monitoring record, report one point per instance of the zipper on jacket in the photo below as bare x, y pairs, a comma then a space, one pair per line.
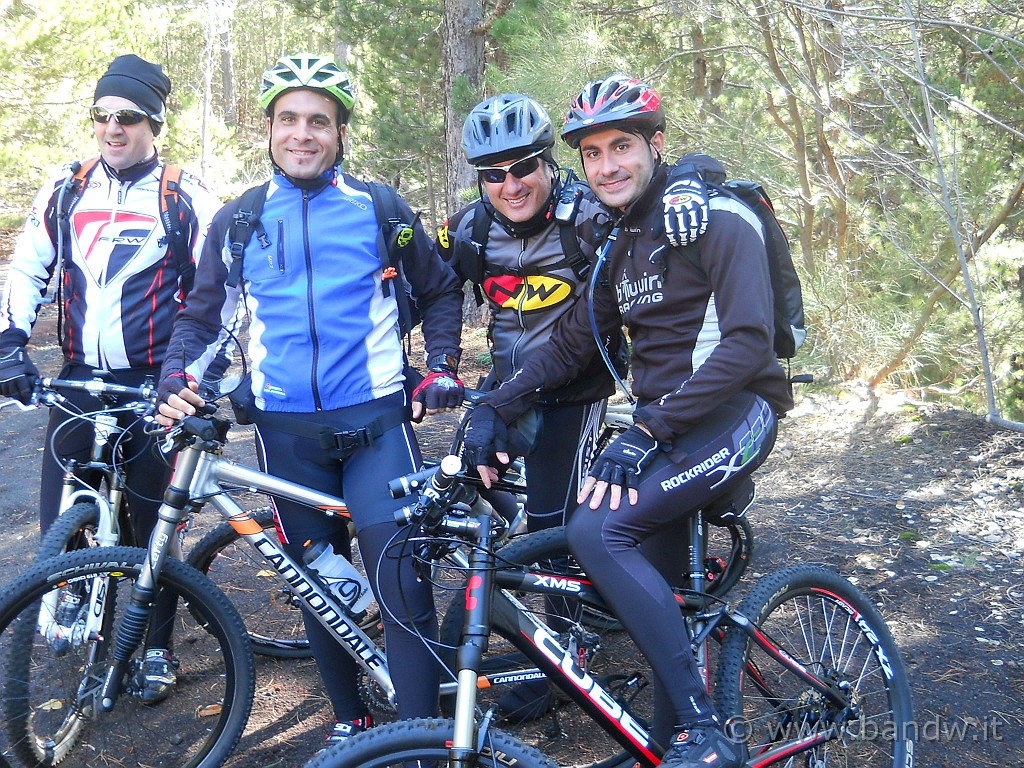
309, 301
122, 194
514, 352
280, 246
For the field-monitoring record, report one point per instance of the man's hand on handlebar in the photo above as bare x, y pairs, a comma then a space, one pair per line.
176, 405
487, 437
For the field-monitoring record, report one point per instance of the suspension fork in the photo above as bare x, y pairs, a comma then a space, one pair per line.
144, 591
476, 629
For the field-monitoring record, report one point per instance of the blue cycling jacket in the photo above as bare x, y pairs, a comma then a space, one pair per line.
322, 333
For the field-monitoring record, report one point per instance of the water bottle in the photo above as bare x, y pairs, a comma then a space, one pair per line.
338, 575
67, 608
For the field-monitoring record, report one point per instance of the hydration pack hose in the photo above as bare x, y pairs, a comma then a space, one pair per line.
591, 286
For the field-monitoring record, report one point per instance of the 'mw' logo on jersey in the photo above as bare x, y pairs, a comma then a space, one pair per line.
528, 294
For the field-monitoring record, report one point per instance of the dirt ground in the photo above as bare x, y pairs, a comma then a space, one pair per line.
921, 505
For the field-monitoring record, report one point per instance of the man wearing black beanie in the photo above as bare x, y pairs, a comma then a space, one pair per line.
96, 232
140, 82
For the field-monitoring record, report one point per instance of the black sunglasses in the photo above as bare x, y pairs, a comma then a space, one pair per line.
495, 174
121, 116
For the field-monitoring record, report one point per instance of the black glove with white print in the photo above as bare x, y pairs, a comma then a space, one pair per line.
686, 210
622, 462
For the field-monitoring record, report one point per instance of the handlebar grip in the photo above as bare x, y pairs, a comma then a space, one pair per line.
473, 396
407, 485
204, 429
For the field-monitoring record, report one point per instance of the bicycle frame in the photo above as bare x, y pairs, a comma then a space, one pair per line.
202, 476
487, 607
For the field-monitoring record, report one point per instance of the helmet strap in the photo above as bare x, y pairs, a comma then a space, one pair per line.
532, 226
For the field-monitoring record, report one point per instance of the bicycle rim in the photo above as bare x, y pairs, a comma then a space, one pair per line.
424, 744
50, 685
829, 626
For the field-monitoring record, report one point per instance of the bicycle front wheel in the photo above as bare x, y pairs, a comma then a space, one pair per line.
401, 744
830, 627
59, 623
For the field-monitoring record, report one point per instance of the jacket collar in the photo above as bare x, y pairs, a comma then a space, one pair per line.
633, 218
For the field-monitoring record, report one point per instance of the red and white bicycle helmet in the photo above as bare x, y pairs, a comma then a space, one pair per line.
617, 101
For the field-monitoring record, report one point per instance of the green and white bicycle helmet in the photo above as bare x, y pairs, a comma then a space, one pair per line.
305, 70
505, 127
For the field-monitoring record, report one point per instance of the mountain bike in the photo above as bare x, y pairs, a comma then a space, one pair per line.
73, 695
807, 672
94, 510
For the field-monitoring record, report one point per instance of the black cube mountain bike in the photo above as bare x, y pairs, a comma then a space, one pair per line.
807, 673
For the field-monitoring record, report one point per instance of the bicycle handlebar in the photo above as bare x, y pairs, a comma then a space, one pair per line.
433, 486
95, 387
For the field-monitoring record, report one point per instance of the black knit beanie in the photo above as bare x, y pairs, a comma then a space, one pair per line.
139, 81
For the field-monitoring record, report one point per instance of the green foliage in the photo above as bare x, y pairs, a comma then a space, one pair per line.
828, 105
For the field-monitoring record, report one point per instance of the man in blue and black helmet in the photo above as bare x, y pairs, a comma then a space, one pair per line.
708, 387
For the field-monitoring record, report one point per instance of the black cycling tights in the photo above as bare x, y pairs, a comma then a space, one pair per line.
730, 443
361, 479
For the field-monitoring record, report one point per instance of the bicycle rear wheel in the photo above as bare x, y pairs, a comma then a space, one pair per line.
403, 743
52, 668
828, 625
74, 529
270, 611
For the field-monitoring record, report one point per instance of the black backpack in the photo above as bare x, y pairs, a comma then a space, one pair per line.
787, 296
393, 238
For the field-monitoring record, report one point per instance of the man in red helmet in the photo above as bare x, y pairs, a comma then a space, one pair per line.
526, 245
708, 387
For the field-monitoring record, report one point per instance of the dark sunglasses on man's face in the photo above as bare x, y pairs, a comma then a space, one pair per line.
121, 116
495, 174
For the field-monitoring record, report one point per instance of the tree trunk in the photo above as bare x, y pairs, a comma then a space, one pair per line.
463, 48
227, 73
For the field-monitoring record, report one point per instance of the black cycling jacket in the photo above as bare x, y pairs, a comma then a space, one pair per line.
699, 333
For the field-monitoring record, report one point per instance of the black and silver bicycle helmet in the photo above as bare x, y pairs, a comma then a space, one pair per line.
506, 127
618, 101
305, 70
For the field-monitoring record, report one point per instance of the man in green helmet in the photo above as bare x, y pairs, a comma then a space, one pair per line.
326, 353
